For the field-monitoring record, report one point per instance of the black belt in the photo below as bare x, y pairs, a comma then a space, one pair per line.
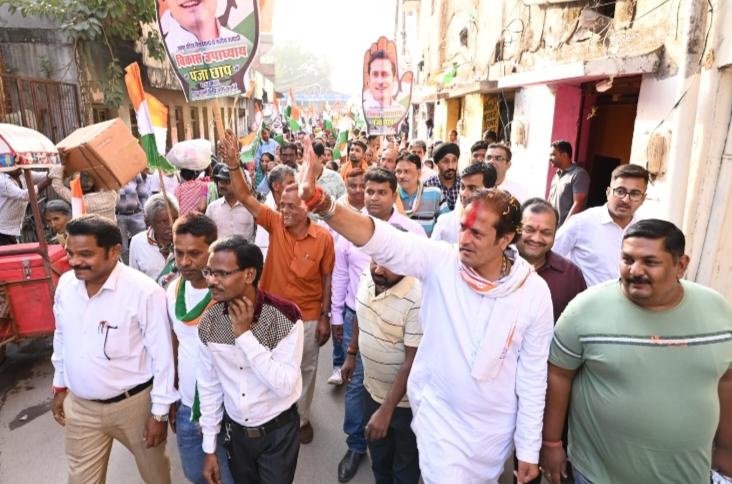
129, 393
130, 213
280, 420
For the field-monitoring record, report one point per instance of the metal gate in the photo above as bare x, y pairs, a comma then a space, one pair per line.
50, 107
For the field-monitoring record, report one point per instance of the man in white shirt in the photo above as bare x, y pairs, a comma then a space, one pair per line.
230, 215
112, 356
592, 239
419, 147
473, 178
188, 297
13, 203
478, 382
499, 155
249, 378
150, 249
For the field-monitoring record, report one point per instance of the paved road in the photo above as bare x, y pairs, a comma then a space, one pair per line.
31, 443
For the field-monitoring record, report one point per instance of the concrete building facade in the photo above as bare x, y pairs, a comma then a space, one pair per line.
627, 81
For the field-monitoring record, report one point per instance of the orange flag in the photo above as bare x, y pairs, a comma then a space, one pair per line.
78, 207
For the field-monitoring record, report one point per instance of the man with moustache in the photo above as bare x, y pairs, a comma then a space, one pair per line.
644, 365
387, 332
539, 226
298, 267
188, 297
249, 381
112, 358
487, 320
416, 201
474, 178
592, 239
356, 154
277, 179
381, 186
447, 180
388, 159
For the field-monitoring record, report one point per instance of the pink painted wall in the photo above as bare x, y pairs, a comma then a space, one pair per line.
568, 104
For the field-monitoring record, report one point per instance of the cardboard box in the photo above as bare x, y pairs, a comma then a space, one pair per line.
107, 151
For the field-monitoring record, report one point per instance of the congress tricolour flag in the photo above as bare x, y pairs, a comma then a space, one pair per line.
341, 145
327, 122
77, 198
249, 145
152, 119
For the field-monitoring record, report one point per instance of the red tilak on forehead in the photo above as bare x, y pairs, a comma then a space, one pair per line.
471, 214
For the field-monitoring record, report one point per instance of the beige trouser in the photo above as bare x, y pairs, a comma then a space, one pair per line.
308, 368
90, 429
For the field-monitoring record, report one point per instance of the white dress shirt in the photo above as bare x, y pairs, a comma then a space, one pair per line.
251, 382
470, 411
592, 240
176, 37
146, 257
230, 220
187, 340
447, 227
129, 313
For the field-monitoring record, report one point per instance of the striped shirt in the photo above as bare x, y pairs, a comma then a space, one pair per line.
646, 387
424, 211
387, 323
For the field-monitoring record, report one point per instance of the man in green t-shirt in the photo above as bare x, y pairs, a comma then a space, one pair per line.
644, 366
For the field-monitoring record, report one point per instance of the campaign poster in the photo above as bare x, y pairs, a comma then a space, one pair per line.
210, 44
386, 96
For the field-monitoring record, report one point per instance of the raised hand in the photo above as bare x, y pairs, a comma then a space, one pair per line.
311, 169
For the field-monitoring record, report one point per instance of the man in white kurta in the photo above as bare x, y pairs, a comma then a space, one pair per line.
475, 391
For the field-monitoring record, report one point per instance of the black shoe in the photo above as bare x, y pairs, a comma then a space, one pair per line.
348, 466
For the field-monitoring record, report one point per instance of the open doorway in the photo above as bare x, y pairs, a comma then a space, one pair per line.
606, 126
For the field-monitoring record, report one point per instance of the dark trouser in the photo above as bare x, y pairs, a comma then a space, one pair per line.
394, 459
269, 459
6, 239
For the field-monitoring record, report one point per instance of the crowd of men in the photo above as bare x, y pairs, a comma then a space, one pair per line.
471, 323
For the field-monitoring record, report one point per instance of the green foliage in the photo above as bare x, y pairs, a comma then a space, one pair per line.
113, 22
300, 69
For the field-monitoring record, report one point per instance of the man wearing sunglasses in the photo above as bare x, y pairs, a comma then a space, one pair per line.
112, 356
592, 239
249, 378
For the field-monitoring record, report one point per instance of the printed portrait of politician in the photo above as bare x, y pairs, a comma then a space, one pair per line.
382, 84
192, 21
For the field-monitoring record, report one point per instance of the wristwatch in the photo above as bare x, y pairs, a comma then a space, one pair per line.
160, 418
327, 315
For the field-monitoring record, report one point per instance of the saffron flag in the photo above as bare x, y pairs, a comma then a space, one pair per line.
152, 119
78, 207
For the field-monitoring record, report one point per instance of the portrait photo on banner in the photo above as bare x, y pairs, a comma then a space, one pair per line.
210, 44
386, 96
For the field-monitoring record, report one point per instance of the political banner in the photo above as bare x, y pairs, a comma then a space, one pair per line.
210, 44
386, 96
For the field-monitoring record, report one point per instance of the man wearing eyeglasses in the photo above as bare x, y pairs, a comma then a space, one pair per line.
499, 155
592, 239
249, 381
112, 356
299, 264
